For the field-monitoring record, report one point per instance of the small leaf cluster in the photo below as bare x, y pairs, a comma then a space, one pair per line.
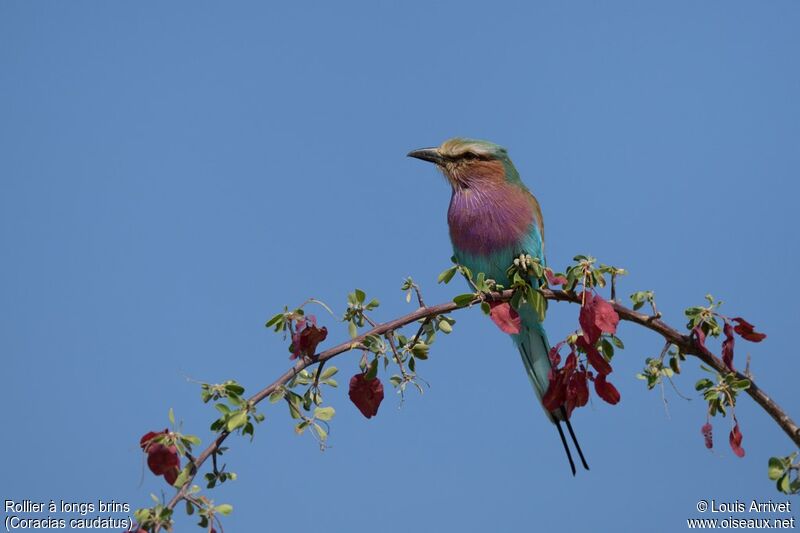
282, 322
640, 298
705, 317
655, 369
206, 510
356, 305
212, 392
219, 475
527, 275
236, 412
299, 404
786, 473
589, 276
152, 518
721, 394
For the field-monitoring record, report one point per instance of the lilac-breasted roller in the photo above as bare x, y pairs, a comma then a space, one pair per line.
494, 218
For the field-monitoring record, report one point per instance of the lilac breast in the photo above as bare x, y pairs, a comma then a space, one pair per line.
485, 221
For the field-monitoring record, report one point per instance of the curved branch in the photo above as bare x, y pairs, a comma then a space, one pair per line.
684, 343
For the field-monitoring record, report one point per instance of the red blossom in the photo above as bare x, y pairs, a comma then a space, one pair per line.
555, 357
593, 356
556, 393
577, 391
148, 437
735, 440
727, 346
606, 390
708, 435
366, 394
306, 337
746, 330
597, 316
162, 460
553, 279
700, 340
505, 316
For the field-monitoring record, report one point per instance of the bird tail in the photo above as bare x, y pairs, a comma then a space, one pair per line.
534, 349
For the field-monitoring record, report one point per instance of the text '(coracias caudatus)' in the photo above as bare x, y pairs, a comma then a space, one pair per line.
493, 219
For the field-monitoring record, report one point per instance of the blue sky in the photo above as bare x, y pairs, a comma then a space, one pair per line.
173, 174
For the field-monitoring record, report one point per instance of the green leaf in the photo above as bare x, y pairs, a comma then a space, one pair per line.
360, 296
301, 427
324, 413
224, 509
183, 477
463, 299
703, 384
617, 342
171, 416
234, 388
447, 275
321, 433
329, 372
783, 484
236, 421
742, 384
277, 395
192, 439
608, 348
537, 301
445, 327
274, 320
352, 329
222, 408
372, 369
776, 468
420, 350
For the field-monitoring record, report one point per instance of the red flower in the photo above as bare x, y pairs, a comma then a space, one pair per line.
746, 331
606, 390
556, 393
162, 460
727, 346
708, 435
306, 337
577, 391
552, 279
593, 356
700, 340
146, 439
555, 357
366, 394
597, 316
735, 440
505, 316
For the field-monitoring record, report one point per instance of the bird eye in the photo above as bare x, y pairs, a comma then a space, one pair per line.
470, 155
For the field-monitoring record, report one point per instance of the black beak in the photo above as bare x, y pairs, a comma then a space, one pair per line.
428, 154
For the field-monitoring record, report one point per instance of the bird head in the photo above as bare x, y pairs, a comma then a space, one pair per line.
468, 163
